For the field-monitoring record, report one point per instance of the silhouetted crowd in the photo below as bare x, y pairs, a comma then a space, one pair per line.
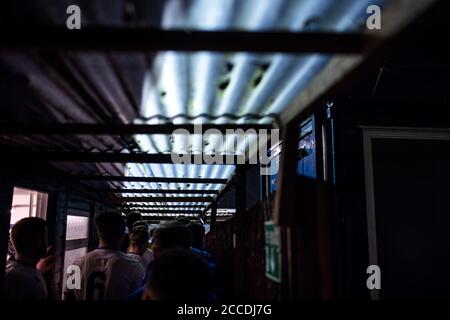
131, 262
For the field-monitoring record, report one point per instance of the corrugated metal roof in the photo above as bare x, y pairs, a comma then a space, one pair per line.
166, 87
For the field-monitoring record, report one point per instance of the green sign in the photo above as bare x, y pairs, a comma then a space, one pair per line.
273, 251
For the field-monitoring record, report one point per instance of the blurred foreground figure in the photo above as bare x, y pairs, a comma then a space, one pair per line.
167, 237
198, 235
138, 248
170, 236
132, 218
107, 273
180, 275
23, 281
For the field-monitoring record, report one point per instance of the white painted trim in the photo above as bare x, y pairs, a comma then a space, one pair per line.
370, 205
406, 133
370, 133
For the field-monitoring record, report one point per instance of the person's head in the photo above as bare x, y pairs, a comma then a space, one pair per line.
110, 229
198, 234
138, 238
132, 218
170, 236
178, 274
180, 220
29, 238
140, 223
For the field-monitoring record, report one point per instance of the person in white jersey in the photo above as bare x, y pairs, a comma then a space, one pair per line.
23, 280
138, 248
107, 273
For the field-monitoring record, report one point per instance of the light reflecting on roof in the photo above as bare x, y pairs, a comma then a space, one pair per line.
206, 87
170, 87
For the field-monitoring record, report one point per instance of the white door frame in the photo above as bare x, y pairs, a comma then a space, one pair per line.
370, 133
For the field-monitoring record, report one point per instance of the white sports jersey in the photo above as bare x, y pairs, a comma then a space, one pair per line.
107, 275
139, 259
144, 259
23, 282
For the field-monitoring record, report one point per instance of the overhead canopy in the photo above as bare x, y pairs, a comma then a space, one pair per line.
174, 88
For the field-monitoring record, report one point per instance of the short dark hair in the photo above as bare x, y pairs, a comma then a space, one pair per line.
27, 232
140, 224
172, 235
179, 274
133, 217
139, 235
110, 226
198, 233
180, 220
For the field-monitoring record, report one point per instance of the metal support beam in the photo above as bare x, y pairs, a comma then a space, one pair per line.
140, 39
162, 191
103, 157
166, 199
147, 207
168, 218
118, 129
213, 215
342, 71
179, 212
241, 206
241, 190
150, 179
283, 210
229, 184
164, 218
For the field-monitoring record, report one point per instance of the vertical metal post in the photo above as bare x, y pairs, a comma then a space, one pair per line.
285, 202
241, 189
213, 215
241, 206
60, 242
6, 196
